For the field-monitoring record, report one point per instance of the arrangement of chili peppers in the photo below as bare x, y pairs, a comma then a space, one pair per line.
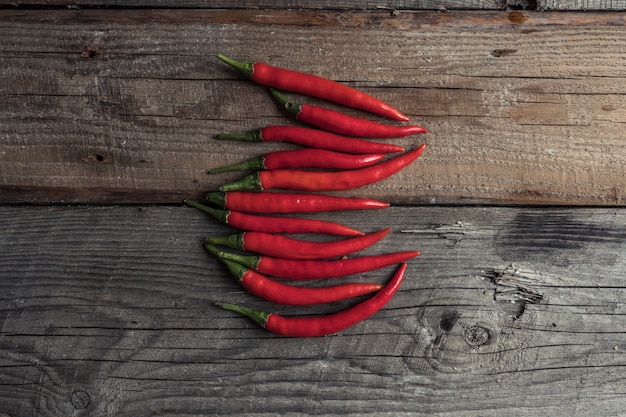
270, 290
334, 156
313, 269
312, 85
297, 179
323, 325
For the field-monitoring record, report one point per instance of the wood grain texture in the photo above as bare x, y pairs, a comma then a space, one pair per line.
348, 5
111, 106
440, 5
581, 5
107, 309
508, 311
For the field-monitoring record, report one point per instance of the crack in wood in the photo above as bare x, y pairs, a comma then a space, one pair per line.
513, 289
498, 53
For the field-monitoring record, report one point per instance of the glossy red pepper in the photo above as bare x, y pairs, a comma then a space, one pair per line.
279, 293
315, 86
327, 324
344, 124
304, 158
313, 138
313, 269
270, 224
288, 248
296, 179
272, 202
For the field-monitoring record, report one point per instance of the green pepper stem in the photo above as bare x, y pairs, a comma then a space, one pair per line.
221, 215
217, 198
291, 106
236, 269
248, 183
246, 68
254, 163
254, 136
213, 250
258, 316
232, 241
249, 261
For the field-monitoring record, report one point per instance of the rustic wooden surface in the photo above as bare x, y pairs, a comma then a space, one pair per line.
440, 5
581, 5
121, 106
514, 308
508, 311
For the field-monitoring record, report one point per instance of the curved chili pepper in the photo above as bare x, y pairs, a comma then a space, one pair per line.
342, 123
279, 293
296, 179
313, 269
288, 248
322, 325
269, 224
315, 86
304, 158
313, 138
271, 202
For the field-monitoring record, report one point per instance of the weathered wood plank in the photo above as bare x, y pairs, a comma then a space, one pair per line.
348, 5
581, 5
120, 106
107, 311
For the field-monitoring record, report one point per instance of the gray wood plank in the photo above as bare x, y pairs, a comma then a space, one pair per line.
111, 106
584, 5
508, 311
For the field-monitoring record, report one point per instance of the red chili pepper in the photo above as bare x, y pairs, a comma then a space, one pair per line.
322, 325
304, 158
279, 293
313, 138
285, 247
270, 202
342, 123
269, 224
296, 179
315, 86
313, 269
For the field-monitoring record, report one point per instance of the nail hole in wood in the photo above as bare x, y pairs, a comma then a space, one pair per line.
96, 157
91, 53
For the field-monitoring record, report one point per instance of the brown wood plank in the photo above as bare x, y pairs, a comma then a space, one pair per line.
107, 311
348, 5
111, 106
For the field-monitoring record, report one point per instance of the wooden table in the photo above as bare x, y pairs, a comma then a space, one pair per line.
515, 307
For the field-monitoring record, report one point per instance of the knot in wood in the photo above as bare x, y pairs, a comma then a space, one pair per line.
80, 399
477, 335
